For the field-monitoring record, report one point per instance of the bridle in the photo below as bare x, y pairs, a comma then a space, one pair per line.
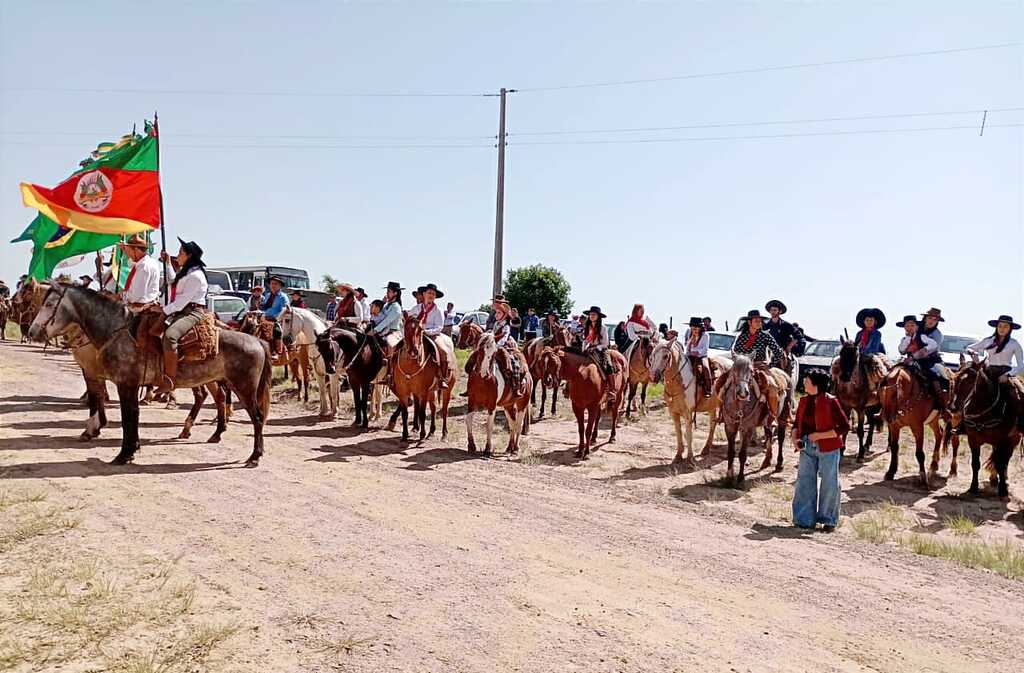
423, 355
971, 421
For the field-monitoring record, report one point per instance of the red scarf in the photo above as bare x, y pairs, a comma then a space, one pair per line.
131, 277
751, 338
641, 321
915, 343
864, 336
592, 333
425, 310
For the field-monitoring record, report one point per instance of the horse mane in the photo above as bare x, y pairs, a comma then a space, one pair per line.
487, 348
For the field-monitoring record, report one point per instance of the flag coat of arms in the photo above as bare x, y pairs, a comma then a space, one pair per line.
116, 191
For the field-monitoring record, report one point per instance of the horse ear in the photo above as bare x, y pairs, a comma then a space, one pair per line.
963, 360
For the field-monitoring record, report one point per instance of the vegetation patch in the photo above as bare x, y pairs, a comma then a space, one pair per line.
1005, 558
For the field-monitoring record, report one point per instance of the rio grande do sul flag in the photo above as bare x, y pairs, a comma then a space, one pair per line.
116, 191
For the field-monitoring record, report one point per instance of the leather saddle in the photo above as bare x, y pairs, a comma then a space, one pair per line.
199, 343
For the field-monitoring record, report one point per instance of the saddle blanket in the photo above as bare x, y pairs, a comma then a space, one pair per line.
199, 343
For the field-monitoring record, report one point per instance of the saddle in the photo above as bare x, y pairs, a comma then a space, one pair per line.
202, 342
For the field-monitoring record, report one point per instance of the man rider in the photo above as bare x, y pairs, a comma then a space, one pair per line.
781, 331
142, 289
273, 304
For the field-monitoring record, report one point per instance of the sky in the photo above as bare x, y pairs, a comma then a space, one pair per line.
263, 162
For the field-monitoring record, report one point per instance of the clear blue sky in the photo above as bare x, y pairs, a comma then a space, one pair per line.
827, 223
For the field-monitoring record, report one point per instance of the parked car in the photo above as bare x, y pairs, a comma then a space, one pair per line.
817, 357
952, 346
227, 308
479, 317
720, 344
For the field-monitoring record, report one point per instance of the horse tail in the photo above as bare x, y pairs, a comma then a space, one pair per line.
263, 387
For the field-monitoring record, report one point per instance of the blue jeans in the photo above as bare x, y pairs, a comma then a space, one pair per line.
811, 503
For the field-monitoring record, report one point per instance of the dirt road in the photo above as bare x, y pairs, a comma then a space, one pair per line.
354, 551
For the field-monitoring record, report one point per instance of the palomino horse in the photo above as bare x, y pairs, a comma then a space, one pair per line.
745, 408
982, 406
856, 379
683, 396
589, 390
294, 359
532, 350
243, 362
638, 355
906, 403
415, 379
489, 388
355, 353
300, 329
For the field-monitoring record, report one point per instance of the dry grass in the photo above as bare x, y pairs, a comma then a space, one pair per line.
1005, 558
886, 524
337, 647
961, 525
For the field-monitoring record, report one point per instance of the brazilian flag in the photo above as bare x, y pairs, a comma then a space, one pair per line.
52, 244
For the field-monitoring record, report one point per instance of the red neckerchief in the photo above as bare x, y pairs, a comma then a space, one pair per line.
864, 336
346, 306
751, 338
640, 321
915, 343
131, 276
425, 310
592, 333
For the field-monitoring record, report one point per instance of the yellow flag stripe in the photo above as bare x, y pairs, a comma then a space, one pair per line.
81, 221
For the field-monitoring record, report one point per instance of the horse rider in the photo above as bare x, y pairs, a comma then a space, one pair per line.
501, 327
869, 336
187, 306
388, 325
922, 351
273, 304
1005, 359
695, 343
595, 340
550, 326
498, 299
431, 317
708, 327
759, 345
298, 299
620, 337
638, 325
256, 298
142, 289
351, 311
930, 328
781, 331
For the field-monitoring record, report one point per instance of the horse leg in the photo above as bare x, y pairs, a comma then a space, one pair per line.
490, 431
940, 439
975, 445
394, 417
730, 440
860, 435
594, 419
712, 425
630, 392
678, 423
198, 397
743, 461
919, 454
470, 441
767, 448
894, 452
446, 401
219, 399
955, 441
91, 423
1001, 452
403, 408
364, 406
554, 398
433, 414
357, 404
579, 411
781, 438
514, 426
643, 398
615, 423
129, 397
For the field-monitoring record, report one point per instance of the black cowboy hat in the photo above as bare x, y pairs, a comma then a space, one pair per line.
193, 250
276, 278
431, 286
696, 322
597, 310
708, 318
906, 319
361, 291
754, 313
933, 312
875, 313
393, 285
1004, 318
775, 302
420, 289
298, 292
551, 311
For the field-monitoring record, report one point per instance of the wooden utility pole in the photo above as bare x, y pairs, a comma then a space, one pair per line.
499, 214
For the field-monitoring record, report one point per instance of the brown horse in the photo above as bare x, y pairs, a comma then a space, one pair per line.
639, 371
242, 361
906, 403
745, 408
589, 390
469, 334
295, 359
986, 412
489, 387
856, 378
415, 380
532, 350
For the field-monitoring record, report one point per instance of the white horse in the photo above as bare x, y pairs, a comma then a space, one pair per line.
682, 393
300, 327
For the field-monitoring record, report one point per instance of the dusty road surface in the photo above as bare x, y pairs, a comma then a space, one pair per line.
353, 551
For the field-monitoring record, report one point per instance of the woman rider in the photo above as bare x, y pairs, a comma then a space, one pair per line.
186, 309
1002, 350
550, 326
637, 326
762, 349
695, 343
869, 338
595, 340
502, 330
389, 321
431, 317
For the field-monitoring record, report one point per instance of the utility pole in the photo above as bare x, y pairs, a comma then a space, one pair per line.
499, 214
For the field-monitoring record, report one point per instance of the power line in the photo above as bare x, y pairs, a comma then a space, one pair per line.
274, 146
773, 68
765, 123
174, 134
228, 92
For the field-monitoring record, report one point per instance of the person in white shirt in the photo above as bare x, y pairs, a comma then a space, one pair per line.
186, 308
363, 309
1005, 360
924, 350
430, 316
449, 319
695, 344
142, 289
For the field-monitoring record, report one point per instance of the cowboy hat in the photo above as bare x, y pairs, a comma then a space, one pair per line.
277, 279
345, 286
393, 285
754, 313
696, 322
597, 310
361, 291
551, 311
875, 313
499, 297
431, 286
775, 302
420, 289
298, 292
906, 319
934, 313
1004, 318
137, 241
192, 249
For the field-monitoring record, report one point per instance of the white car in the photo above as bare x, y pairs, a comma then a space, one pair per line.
720, 344
479, 317
818, 355
952, 346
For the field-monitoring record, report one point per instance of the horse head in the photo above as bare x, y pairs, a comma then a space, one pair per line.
413, 341
849, 356
469, 333
288, 320
742, 374
660, 359
970, 383
551, 366
329, 349
55, 316
251, 322
560, 337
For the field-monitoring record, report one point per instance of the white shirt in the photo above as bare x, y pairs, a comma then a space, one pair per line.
930, 346
698, 350
145, 286
191, 290
435, 319
1011, 351
634, 329
449, 317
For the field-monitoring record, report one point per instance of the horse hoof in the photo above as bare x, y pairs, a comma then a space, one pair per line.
889, 476
973, 491
472, 450
778, 468
252, 462
214, 440
487, 453
85, 436
611, 440
121, 459
952, 472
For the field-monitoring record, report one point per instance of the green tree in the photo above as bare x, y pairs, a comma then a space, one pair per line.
329, 284
539, 287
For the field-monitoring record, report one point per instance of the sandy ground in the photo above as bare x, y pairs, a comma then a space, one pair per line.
353, 551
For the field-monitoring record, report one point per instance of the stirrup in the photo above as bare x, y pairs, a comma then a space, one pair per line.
165, 388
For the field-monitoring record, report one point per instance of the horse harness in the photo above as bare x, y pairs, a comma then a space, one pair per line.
971, 421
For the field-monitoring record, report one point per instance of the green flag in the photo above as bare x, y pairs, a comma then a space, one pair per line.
29, 232
52, 243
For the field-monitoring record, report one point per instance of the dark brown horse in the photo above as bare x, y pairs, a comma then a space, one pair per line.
983, 408
856, 378
906, 403
360, 357
532, 350
490, 387
243, 362
415, 379
589, 390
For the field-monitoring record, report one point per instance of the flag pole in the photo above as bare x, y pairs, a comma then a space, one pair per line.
160, 190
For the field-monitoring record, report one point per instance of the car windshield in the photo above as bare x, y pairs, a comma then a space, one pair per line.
824, 349
955, 344
719, 341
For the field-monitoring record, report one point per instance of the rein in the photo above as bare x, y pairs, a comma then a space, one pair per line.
971, 421
423, 364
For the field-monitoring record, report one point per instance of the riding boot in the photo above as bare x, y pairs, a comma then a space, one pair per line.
941, 396
170, 373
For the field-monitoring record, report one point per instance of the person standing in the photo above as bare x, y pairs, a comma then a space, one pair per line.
449, 319
531, 325
820, 426
515, 323
186, 308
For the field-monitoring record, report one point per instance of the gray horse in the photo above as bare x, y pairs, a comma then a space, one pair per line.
243, 362
743, 411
